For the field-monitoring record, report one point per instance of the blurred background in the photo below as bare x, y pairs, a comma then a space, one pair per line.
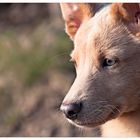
35, 72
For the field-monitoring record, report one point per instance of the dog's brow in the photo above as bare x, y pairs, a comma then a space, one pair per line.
72, 53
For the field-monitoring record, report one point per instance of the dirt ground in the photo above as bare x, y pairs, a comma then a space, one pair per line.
39, 111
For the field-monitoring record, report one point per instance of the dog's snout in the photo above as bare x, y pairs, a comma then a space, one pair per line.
71, 110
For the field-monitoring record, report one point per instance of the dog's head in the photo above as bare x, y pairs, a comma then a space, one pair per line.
107, 60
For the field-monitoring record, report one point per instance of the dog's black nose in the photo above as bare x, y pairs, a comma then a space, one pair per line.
71, 110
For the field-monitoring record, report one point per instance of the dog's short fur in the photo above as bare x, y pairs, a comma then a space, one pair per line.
107, 60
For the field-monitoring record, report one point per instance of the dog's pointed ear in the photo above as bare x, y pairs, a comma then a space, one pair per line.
129, 14
132, 11
74, 15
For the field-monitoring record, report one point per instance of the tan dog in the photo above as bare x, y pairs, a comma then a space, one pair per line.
106, 54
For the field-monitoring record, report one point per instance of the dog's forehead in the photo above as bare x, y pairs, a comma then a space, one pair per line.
92, 28
102, 33
83, 34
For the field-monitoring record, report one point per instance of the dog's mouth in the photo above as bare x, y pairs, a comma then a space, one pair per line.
86, 123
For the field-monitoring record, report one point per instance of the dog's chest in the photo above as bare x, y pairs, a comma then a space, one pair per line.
115, 128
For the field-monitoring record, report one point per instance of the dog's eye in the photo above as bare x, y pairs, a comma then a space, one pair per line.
109, 62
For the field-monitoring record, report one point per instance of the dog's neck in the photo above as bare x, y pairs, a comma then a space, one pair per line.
127, 125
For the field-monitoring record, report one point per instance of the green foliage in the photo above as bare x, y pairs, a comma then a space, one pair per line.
32, 63
61, 51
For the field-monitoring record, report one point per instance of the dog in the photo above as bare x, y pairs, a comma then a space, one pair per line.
106, 55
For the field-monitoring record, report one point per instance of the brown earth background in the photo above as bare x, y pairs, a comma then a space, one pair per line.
35, 72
